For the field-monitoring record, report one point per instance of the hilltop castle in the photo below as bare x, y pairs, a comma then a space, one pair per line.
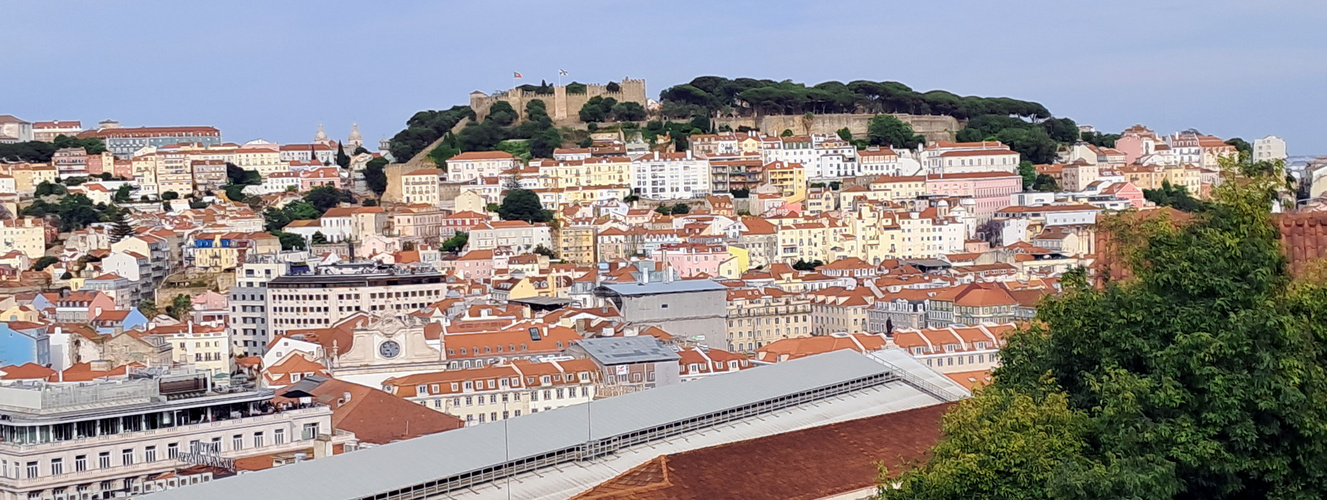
562, 106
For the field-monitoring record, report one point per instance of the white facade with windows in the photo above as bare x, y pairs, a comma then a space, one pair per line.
670, 176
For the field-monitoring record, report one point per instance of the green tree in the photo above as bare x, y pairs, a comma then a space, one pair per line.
375, 175
523, 204
274, 219
456, 243
44, 262
170, 195
885, 130
845, 134
290, 241
786, 133
802, 265
45, 188
1045, 184
544, 142
342, 159
318, 238
1173, 196
120, 227
629, 112
122, 194
680, 209
180, 306
545, 251
149, 308
1061, 130
663, 209
1029, 173
502, 113
1241, 145
327, 197
1201, 376
359, 150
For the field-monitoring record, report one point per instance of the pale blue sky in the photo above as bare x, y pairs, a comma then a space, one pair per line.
276, 69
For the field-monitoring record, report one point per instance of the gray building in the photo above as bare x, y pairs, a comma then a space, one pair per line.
249, 334
630, 364
696, 310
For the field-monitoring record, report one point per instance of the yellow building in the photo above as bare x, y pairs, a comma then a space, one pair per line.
205, 347
421, 187
576, 243
788, 178
803, 241
898, 187
26, 236
27, 177
739, 263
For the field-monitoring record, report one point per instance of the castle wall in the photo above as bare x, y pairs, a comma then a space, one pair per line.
562, 106
933, 127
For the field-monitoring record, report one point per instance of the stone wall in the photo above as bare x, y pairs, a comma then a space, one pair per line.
933, 127
562, 106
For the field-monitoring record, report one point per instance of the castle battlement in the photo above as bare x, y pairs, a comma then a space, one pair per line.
562, 106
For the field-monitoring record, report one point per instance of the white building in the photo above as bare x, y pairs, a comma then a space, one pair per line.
514, 234
499, 392
964, 157
1269, 148
670, 176
57, 442
467, 167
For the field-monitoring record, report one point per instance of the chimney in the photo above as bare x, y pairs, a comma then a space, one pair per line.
100, 365
345, 396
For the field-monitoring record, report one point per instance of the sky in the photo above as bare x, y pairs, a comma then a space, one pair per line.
276, 70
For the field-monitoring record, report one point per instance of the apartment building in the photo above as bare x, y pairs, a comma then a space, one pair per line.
511, 233
107, 438
955, 349
962, 157
499, 392
469, 166
321, 299
670, 176
421, 187
760, 316
26, 236
123, 142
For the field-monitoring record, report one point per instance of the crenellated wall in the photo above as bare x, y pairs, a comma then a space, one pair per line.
933, 127
562, 106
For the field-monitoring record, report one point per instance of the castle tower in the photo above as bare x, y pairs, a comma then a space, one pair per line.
356, 140
321, 136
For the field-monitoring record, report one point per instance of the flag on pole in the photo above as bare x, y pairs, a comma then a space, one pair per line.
515, 75
562, 72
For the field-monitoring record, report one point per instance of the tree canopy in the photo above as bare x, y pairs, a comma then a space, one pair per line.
712, 94
886, 130
425, 127
1201, 376
375, 175
523, 204
1173, 196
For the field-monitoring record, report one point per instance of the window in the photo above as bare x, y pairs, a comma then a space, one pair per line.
104, 459
32, 469
173, 451
150, 454
57, 466
80, 463
127, 456
279, 437
310, 431
257, 440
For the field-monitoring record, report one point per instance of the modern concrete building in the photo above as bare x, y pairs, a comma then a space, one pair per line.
107, 438
320, 298
694, 309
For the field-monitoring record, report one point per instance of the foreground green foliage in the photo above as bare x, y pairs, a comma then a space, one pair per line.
1202, 376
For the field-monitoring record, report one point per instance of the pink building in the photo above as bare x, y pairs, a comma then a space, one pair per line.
475, 265
1126, 191
991, 190
690, 260
329, 176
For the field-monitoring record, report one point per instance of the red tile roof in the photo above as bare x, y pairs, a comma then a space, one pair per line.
807, 464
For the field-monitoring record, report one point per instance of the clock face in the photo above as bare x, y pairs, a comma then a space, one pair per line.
389, 349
